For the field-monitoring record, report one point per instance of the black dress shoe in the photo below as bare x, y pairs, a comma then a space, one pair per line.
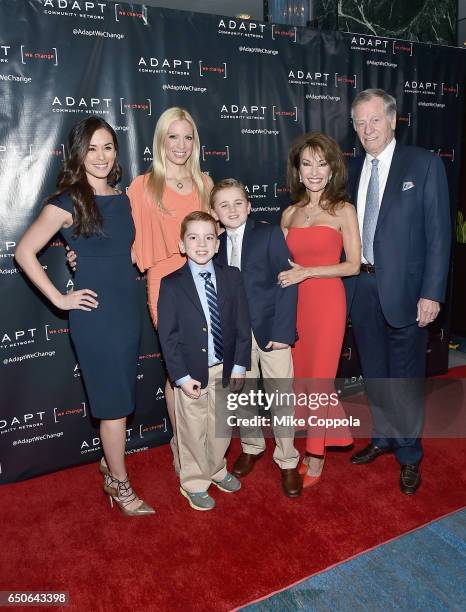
368, 454
410, 479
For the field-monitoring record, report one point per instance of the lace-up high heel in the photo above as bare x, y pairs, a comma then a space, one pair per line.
103, 469
123, 494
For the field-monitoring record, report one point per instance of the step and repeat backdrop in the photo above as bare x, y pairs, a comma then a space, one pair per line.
251, 87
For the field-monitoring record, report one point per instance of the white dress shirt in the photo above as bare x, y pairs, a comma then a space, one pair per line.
239, 242
385, 160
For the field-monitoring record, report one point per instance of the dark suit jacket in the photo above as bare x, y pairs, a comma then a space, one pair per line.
264, 255
412, 239
182, 326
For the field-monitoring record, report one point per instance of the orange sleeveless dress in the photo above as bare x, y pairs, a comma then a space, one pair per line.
158, 234
321, 321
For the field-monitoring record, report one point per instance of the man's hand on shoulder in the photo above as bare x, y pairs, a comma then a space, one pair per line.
427, 311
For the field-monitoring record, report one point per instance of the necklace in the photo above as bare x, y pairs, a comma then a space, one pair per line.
179, 182
307, 216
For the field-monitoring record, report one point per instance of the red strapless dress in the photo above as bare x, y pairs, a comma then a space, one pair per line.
321, 321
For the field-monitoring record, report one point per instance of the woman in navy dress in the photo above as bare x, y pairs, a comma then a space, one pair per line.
95, 219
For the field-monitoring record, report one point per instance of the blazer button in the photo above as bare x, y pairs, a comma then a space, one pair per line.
204, 350
204, 329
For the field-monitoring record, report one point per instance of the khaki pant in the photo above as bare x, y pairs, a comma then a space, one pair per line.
201, 444
277, 373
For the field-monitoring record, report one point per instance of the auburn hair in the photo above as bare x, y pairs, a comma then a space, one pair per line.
334, 193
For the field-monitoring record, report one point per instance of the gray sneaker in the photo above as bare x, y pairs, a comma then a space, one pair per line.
199, 501
230, 484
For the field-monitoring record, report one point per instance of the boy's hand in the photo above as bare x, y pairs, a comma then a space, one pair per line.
276, 346
237, 382
192, 388
71, 258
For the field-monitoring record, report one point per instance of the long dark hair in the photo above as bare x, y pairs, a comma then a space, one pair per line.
72, 178
334, 194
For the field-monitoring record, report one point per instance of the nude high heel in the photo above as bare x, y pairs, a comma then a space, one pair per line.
103, 469
123, 494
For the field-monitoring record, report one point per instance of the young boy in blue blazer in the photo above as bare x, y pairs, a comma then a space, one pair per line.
259, 250
205, 335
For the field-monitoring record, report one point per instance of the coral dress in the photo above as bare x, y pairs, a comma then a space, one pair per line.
158, 234
321, 320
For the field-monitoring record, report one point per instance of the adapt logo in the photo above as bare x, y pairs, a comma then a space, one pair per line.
281, 31
217, 152
121, 12
238, 27
237, 111
421, 87
369, 43
49, 55
29, 420
145, 106
206, 69
75, 8
301, 76
402, 46
17, 337
165, 65
72, 104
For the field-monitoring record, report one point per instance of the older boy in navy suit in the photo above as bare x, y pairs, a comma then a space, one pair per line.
205, 334
259, 250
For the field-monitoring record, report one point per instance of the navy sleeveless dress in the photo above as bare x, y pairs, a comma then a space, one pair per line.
106, 339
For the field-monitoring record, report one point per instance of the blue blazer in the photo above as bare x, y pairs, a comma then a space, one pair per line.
264, 255
182, 326
412, 239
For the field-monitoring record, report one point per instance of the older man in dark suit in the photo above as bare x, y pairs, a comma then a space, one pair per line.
401, 195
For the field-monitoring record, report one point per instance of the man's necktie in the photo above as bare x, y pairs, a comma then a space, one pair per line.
234, 255
215, 327
371, 213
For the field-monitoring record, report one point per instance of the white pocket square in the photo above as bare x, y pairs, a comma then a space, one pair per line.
407, 185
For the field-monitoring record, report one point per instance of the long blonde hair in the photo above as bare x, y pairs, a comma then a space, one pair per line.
158, 172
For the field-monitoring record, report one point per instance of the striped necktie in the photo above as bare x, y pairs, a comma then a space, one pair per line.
371, 213
215, 327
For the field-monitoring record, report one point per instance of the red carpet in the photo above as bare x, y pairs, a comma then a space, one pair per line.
458, 372
58, 532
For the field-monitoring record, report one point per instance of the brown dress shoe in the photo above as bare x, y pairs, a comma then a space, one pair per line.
292, 483
244, 464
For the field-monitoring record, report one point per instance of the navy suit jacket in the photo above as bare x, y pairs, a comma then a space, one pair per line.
182, 326
412, 239
264, 255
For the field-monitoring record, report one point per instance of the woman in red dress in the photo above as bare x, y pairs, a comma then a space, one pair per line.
317, 228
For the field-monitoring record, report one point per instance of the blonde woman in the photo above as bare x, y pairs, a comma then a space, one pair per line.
160, 199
